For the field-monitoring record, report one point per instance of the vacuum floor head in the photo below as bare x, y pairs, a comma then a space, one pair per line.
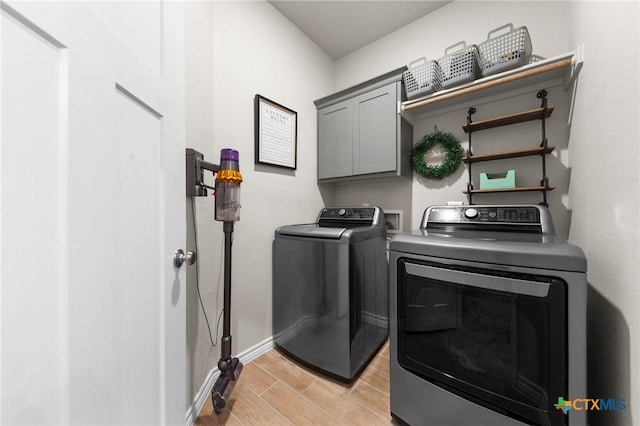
224, 384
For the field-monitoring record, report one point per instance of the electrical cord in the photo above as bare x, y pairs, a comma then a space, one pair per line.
195, 234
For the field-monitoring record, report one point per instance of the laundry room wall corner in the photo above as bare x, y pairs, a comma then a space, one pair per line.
201, 356
429, 36
605, 196
235, 51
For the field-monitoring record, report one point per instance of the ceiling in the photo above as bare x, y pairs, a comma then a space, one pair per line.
341, 27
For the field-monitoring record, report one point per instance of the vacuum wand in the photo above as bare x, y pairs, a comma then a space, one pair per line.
227, 192
226, 324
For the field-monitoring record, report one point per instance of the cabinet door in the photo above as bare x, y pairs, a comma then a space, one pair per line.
375, 136
335, 135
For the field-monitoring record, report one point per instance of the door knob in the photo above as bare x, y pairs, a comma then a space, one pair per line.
179, 258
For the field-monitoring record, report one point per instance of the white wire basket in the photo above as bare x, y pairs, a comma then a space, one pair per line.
535, 58
421, 78
459, 64
505, 48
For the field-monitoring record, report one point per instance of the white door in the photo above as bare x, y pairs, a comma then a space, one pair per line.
92, 207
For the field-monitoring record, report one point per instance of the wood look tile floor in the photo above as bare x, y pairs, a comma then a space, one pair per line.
274, 390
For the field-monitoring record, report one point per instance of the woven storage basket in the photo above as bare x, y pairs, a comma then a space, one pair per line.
503, 51
460, 66
422, 78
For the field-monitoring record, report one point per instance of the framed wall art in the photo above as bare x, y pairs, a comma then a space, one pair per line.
275, 133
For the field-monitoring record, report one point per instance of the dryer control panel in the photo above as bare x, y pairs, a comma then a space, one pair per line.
514, 218
341, 213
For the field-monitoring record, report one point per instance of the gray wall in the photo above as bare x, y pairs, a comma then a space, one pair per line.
528, 170
235, 51
604, 196
595, 167
429, 36
252, 49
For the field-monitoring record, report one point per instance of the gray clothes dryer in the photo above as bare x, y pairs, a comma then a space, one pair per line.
487, 319
330, 290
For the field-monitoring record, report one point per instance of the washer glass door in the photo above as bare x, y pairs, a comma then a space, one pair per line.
496, 338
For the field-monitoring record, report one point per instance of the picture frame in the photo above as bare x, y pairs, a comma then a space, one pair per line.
276, 133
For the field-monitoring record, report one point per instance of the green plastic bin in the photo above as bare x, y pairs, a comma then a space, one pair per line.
498, 180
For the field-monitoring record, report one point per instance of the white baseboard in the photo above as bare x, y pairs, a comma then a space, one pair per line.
205, 390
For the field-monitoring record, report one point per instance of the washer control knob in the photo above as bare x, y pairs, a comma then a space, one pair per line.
471, 213
342, 212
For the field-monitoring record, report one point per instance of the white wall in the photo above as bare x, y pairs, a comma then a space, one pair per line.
471, 21
249, 49
199, 127
604, 196
460, 20
597, 162
528, 170
256, 50
388, 194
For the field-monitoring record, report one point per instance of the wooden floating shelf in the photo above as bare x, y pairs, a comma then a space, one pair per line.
508, 154
505, 120
532, 74
520, 189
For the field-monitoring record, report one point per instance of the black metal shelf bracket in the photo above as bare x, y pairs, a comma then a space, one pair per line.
470, 112
544, 183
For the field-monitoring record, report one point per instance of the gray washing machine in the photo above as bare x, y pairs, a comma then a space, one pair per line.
487, 319
330, 290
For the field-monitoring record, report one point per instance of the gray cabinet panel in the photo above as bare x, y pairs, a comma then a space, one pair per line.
374, 141
361, 133
335, 141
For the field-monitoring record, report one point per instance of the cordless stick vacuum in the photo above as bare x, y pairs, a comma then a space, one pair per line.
227, 210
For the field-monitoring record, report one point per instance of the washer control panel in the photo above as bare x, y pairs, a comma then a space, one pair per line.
348, 213
471, 213
506, 214
528, 218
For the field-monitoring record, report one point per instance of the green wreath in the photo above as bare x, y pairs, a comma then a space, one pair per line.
451, 161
